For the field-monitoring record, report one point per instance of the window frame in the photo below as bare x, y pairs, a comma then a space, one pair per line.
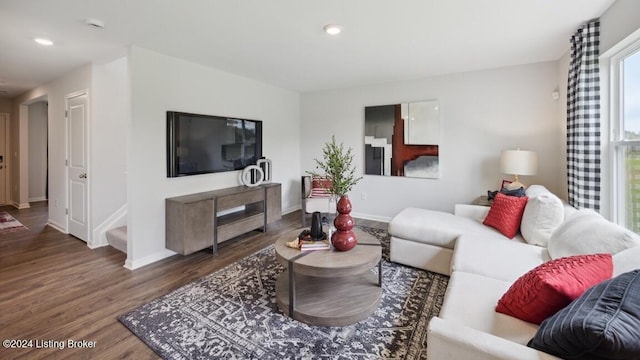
617, 143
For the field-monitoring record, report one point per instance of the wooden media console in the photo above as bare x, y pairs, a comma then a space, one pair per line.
193, 222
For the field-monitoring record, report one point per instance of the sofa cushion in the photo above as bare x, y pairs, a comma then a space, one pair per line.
477, 212
626, 260
587, 232
470, 300
506, 213
440, 228
542, 215
497, 258
604, 323
427, 226
551, 286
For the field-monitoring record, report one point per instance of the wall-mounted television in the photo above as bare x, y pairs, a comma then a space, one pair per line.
201, 144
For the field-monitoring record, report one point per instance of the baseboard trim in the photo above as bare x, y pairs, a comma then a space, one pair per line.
57, 226
290, 210
38, 199
95, 246
136, 264
20, 206
371, 217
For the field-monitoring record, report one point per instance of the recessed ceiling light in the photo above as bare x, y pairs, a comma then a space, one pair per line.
44, 42
332, 29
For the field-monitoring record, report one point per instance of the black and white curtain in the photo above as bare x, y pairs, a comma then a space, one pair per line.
583, 118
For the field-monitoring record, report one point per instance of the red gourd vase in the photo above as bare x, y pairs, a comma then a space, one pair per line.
344, 238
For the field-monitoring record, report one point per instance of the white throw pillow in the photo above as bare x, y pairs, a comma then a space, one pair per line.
536, 190
542, 216
626, 260
587, 232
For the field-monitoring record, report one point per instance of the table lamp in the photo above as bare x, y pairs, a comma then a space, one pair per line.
518, 162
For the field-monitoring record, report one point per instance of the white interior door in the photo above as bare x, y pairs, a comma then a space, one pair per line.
77, 116
4, 153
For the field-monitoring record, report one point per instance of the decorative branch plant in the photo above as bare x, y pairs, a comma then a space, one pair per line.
336, 165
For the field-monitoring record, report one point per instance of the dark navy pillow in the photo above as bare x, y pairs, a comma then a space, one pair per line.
519, 192
603, 323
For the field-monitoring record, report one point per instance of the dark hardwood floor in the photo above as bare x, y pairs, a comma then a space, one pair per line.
53, 287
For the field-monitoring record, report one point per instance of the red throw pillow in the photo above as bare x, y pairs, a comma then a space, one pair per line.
549, 287
506, 213
320, 187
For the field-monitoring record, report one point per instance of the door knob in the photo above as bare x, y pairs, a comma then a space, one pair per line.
83, 176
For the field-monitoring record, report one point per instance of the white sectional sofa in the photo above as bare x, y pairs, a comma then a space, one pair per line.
482, 264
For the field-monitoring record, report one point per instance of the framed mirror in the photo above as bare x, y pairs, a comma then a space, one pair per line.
403, 139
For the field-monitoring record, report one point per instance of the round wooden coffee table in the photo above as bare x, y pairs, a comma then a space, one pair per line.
329, 287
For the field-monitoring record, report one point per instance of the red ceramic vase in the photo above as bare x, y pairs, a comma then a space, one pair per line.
343, 239
343, 222
344, 205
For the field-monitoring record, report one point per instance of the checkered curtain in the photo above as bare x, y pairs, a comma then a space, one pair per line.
583, 118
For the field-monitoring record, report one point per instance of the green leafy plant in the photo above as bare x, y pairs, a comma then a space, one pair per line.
337, 168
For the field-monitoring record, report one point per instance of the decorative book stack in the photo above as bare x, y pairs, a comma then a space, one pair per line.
308, 245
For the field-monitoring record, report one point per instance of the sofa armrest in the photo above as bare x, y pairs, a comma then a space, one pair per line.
448, 340
477, 212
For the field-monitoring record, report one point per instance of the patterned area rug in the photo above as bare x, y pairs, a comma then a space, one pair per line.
9, 224
232, 314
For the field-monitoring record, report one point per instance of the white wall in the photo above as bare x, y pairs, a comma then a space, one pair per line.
563, 79
621, 19
5, 106
55, 91
160, 83
19, 157
482, 113
110, 116
38, 151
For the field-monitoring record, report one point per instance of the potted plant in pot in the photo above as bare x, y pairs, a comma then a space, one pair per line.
336, 166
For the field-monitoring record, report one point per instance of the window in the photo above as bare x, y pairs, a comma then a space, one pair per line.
625, 88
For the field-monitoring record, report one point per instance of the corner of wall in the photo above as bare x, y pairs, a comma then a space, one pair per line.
138, 263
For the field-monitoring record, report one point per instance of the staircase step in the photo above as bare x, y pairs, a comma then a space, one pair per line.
117, 237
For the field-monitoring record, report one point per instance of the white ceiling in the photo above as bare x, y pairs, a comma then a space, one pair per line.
281, 42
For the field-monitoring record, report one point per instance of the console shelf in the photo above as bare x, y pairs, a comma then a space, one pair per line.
193, 223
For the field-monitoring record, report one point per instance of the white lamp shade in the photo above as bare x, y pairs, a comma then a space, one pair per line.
519, 162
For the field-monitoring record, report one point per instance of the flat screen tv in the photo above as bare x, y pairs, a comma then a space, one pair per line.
201, 144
